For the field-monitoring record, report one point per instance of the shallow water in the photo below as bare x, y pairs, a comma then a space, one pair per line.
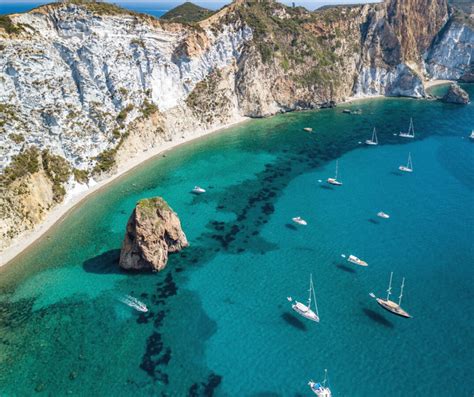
219, 322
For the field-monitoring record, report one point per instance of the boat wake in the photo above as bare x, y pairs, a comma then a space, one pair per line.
134, 303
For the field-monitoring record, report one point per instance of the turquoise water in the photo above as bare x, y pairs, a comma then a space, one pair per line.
219, 321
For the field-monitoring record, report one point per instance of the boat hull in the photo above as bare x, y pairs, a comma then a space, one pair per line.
371, 143
393, 308
383, 215
405, 169
335, 182
308, 313
404, 135
357, 261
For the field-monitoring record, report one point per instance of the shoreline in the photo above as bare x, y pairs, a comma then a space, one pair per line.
27, 239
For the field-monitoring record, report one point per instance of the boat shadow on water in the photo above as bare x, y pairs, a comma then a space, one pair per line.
326, 187
294, 321
345, 268
374, 221
378, 318
291, 227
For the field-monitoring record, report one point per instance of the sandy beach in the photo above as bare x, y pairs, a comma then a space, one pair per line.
24, 240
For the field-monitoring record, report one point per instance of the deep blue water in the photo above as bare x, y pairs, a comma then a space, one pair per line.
219, 321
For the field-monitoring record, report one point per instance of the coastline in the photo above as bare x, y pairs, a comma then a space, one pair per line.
25, 240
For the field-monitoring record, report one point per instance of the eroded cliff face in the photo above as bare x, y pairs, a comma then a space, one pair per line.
97, 85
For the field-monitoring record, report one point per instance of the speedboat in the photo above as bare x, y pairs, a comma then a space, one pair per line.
308, 129
355, 260
320, 389
383, 215
299, 220
134, 303
198, 190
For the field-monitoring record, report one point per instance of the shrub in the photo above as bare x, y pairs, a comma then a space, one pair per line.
17, 138
24, 163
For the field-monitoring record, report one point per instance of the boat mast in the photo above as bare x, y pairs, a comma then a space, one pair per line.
409, 165
374, 136
315, 301
337, 166
310, 289
401, 292
411, 130
389, 291
325, 377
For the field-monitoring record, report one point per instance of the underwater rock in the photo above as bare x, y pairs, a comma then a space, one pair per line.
153, 231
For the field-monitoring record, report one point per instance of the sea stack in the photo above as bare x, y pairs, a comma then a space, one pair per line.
153, 231
456, 95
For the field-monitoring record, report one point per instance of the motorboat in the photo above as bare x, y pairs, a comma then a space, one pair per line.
355, 260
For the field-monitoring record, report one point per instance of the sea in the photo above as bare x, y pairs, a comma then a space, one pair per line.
219, 322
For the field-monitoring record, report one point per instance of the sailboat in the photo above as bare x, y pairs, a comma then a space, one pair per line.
305, 310
471, 137
408, 167
334, 181
410, 133
320, 389
374, 141
389, 305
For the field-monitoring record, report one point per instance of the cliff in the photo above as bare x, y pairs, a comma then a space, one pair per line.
95, 84
153, 231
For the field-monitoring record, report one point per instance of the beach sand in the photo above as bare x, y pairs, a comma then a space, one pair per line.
58, 213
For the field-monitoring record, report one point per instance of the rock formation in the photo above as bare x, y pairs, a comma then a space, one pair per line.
96, 84
153, 231
456, 95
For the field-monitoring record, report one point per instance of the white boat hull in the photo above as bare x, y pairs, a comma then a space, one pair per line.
333, 181
319, 390
383, 215
304, 311
405, 169
356, 261
371, 143
405, 135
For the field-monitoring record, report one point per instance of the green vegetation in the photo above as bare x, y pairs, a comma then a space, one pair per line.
17, 138
58, 171
8, 26
148, 207
137, 42
105, 161
148, 108
124, 113
24, 163
81, 176
187, 13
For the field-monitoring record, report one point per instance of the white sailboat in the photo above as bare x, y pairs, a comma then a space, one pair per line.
471, 137
410, 133
320, 389
305, 310
389, 305
408, 167
373, 141
334, 181
383, 215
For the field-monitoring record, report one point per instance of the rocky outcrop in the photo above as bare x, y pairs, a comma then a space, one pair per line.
153, 231
456, 95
